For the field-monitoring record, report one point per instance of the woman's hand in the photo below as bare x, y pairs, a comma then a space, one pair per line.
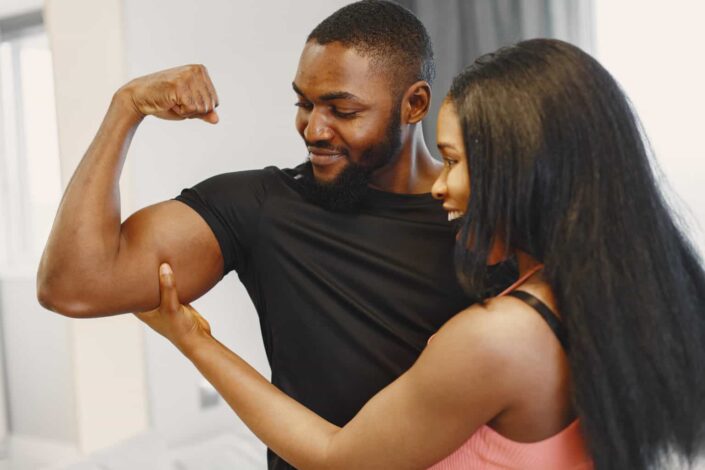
180, 324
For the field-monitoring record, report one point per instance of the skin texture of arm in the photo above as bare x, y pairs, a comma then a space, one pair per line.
463, 379
94, 265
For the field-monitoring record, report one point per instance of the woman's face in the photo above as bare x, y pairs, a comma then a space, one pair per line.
453, 185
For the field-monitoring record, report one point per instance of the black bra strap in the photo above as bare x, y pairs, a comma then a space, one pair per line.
551, 318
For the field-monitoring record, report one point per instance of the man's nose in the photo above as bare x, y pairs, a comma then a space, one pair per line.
317, 128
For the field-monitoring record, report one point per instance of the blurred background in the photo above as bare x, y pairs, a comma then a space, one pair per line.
106, 393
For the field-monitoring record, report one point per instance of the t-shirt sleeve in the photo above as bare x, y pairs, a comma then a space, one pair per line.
230, 204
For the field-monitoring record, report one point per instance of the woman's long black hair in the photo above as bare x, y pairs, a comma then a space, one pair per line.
560, 169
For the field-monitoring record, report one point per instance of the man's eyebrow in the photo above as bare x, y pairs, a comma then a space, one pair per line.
335, 95
338, 95
296, 89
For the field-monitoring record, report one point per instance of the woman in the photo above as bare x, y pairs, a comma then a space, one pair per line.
596, 356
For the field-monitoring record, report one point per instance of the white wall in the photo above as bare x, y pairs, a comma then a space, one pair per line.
654, 49
38, 364
16, 7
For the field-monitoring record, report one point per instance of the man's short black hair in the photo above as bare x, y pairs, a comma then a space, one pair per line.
389, 34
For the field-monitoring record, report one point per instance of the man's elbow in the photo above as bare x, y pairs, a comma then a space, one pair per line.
55, 299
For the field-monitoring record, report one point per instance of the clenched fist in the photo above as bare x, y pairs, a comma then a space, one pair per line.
175, 94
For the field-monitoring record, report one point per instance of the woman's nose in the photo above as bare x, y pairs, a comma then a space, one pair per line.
439, 188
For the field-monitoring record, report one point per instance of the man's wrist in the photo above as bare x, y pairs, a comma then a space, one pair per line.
123, 104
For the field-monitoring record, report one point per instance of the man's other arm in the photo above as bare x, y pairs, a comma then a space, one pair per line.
93, 265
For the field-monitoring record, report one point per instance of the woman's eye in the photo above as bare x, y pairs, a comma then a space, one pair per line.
449, 162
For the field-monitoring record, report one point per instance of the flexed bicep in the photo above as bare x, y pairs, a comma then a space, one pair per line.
169, 232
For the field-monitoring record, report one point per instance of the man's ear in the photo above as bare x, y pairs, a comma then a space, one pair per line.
416, 102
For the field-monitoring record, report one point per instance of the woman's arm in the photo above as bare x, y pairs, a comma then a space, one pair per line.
460, 382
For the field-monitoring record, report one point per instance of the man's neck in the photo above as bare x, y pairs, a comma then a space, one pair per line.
413, 171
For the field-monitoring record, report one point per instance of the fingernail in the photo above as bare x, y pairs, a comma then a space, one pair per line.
164, 269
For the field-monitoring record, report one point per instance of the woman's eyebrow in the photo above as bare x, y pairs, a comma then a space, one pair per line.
444, 145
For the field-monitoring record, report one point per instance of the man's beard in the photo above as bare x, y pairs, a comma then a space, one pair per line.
348, 191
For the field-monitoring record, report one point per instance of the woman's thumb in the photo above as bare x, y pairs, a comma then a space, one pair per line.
167, 289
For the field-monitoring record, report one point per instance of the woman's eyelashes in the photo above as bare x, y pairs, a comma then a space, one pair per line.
449, 162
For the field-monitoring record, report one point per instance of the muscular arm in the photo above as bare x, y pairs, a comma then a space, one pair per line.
95, 266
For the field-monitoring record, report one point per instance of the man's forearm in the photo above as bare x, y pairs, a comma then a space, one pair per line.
294, 432
86, 232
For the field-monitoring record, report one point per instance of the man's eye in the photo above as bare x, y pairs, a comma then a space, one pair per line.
343, 114
302, 104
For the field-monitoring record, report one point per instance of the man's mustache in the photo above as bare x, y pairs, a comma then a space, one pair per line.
327, 146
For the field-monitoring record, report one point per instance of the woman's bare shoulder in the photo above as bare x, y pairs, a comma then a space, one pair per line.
505, 333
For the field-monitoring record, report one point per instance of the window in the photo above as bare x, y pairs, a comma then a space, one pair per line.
30, 182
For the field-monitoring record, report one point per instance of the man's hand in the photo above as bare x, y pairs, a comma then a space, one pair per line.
180, 324
174, 94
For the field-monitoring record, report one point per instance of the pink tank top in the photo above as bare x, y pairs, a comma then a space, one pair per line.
488, 450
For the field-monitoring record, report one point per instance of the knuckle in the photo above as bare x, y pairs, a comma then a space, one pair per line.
196, 70
186, 99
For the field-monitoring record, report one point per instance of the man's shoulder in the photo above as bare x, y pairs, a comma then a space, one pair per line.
246, 175
259, 175
256, 181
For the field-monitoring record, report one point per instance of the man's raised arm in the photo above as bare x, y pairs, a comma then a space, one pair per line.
95, 266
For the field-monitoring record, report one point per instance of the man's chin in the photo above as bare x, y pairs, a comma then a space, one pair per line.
328, 174
340, 191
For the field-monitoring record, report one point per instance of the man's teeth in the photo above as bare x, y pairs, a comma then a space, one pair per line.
452, 215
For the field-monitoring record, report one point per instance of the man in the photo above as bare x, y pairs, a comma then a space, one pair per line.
347, 258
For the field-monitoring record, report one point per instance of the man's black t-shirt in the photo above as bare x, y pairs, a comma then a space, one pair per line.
346, 302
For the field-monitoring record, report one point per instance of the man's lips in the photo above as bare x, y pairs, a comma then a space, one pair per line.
321, 157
